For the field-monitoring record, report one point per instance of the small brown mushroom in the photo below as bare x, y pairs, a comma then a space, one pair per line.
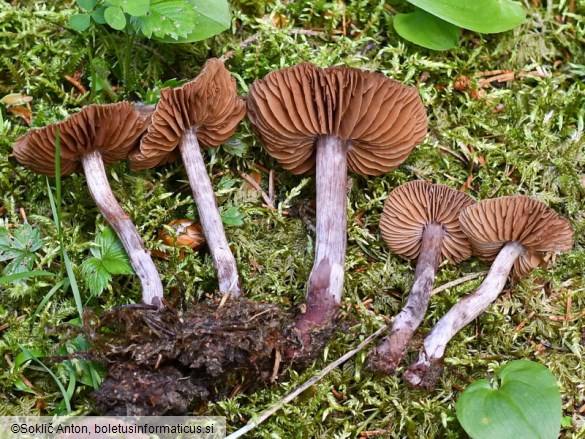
97, 135
420, 221
186, 232
327, 120
514, 232
205, 111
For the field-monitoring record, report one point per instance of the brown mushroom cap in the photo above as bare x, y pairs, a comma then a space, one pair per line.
382, 120
111, 129
489, 224
208, 102
413, 205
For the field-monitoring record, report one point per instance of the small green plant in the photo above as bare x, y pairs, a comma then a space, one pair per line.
437, 24
19, 248
167, 21
231, 216
522, 401
181, 21
108, 258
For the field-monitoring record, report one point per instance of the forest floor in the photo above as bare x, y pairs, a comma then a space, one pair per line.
506, 116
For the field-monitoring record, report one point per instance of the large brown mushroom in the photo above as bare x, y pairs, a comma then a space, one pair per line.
513, 232
205, 111
327, 120
420, 221
96, 136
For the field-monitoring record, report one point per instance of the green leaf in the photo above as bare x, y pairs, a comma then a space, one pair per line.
190, 20
27, 355
19, 248
115, 17
20, 264
420, 27
109, 249
18, 276
88, 5
98, 15
114, 3
168, 18
109, 257
27, 238
96, 276
527, 403
232, 217
20, 385
48, 296
234, 147
136, 8
80, 22
33, 356
485, 16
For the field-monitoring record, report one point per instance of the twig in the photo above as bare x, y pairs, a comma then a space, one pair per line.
23, 215
78, 85
456, 282
271, 187
277, 360
288, 398
224, 299
256, 186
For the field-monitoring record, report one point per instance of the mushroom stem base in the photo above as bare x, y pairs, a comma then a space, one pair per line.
223, 259
325, 284
388, 354
425, 371
101, 192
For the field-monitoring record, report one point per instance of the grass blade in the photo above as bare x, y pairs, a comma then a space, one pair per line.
48, 297
24, 275
66, 397
56, 209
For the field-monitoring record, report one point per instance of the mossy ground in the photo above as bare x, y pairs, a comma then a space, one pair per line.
521, 136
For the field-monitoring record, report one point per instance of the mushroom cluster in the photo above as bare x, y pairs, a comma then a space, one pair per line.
207, 108
420, 221
327, 121
513, 233
205, 111
96, 136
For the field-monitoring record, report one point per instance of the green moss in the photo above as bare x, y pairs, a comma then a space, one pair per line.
523, 136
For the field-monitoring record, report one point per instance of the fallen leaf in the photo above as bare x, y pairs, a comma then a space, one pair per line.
16, 99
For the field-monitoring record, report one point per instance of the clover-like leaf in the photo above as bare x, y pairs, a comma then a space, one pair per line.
486, 16
525, 404
80, 22
88, 5
427, 30
98, 15
136, 8
115, 17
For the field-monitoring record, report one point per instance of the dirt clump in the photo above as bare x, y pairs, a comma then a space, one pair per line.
166, 362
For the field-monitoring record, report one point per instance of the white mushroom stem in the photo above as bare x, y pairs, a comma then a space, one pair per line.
388, 354
425, 371
223, 259
101, 192
325, 284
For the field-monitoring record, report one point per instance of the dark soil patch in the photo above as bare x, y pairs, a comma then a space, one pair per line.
167, 362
